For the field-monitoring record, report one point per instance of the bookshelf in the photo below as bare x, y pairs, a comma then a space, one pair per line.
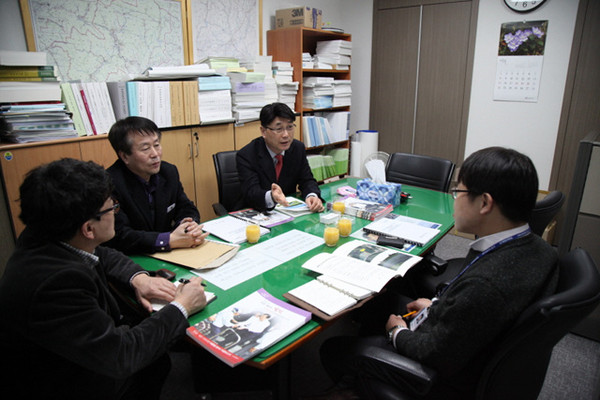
288, 44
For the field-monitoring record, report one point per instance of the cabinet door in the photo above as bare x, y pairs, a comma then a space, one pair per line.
177, 149
17, 162
99, 151
244, 134
209, 140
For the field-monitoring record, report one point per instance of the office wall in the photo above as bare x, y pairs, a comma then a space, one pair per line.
527, 127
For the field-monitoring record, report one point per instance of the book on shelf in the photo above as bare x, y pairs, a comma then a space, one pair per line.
411, 230
71, 104
210, 254
177, 106
247, 327
295, 208
23, 91
15, 57
350, 275
159, 304
12, 71
266, 219
118, 97
364, 209
230, 229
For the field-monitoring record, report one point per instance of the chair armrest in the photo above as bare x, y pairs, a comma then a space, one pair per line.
412, 375
219, 209
434, 264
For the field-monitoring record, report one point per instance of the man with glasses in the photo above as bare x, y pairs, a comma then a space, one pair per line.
507, 269
273, 165
62, 331
156, 215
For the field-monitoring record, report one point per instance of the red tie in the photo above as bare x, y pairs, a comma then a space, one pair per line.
278, 166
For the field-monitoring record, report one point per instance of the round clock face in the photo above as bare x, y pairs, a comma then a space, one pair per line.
523, 5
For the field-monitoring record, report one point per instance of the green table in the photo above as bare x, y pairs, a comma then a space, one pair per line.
425, 204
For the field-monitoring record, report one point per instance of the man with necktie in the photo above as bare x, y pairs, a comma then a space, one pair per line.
274, 165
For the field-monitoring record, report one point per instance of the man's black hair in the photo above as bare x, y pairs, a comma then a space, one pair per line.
274, 110
118, 134
57, 198
507, 175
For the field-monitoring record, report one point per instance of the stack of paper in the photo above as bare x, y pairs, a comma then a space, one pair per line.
214, 98
286, 93
335, 53
342, 93
35, 122
318, 92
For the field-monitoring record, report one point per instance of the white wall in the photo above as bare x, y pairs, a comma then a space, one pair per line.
530, 128
354, 17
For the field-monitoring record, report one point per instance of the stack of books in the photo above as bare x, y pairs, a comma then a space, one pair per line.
339, 121
214, 99
283, 71
31, 109
316, 131
286, 93
335, 53
342, 93
318, 92
222, 65
247, 95
25, 76
91, 106
22, 123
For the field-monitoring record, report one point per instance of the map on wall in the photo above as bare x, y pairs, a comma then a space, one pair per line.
225, 28
108, 40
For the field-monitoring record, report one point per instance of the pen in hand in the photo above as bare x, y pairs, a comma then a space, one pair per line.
183, 281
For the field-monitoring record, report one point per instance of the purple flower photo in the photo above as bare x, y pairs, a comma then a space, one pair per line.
523, 38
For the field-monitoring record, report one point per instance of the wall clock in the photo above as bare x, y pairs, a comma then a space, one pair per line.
523, 6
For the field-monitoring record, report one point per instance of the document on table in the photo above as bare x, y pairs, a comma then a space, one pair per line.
260, 258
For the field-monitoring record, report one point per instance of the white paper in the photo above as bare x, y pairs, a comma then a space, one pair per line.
260, 258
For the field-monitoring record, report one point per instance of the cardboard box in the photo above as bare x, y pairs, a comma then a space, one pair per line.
307, 17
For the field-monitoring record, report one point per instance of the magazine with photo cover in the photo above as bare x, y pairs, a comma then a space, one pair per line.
247, 327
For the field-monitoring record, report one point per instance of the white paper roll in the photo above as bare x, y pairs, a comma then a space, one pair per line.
355, 158
369, 143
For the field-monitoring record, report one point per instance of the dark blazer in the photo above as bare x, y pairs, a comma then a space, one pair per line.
134, 230
61, 331
257, 172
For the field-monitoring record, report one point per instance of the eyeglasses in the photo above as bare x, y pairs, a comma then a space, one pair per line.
115, 207
455, 192
290, 128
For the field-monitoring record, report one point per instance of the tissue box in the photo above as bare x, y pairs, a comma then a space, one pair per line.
383, 193
299, 16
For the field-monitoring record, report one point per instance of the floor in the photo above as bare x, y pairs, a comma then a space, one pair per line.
574, 371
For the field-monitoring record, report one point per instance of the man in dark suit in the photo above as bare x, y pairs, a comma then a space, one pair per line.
272, 166
156, 213
62, 331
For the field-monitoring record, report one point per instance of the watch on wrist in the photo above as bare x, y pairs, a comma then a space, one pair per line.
391, 332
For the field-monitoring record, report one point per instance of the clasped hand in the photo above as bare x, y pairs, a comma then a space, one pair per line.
187, 234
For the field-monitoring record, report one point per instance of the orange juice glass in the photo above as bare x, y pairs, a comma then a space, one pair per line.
331, 236
252, 233
339, 206
345, 226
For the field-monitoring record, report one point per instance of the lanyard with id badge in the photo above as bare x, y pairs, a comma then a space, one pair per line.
424, 313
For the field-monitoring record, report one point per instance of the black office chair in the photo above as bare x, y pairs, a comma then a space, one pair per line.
517, 367
545, 210
228, 183
425, 283
418, 170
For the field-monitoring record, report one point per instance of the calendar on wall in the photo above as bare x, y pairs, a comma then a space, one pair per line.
520, 60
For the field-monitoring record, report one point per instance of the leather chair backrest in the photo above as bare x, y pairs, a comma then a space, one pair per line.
545, 210
228, 182
518, 367
419, 170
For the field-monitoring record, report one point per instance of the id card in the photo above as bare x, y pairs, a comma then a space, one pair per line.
418, 319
